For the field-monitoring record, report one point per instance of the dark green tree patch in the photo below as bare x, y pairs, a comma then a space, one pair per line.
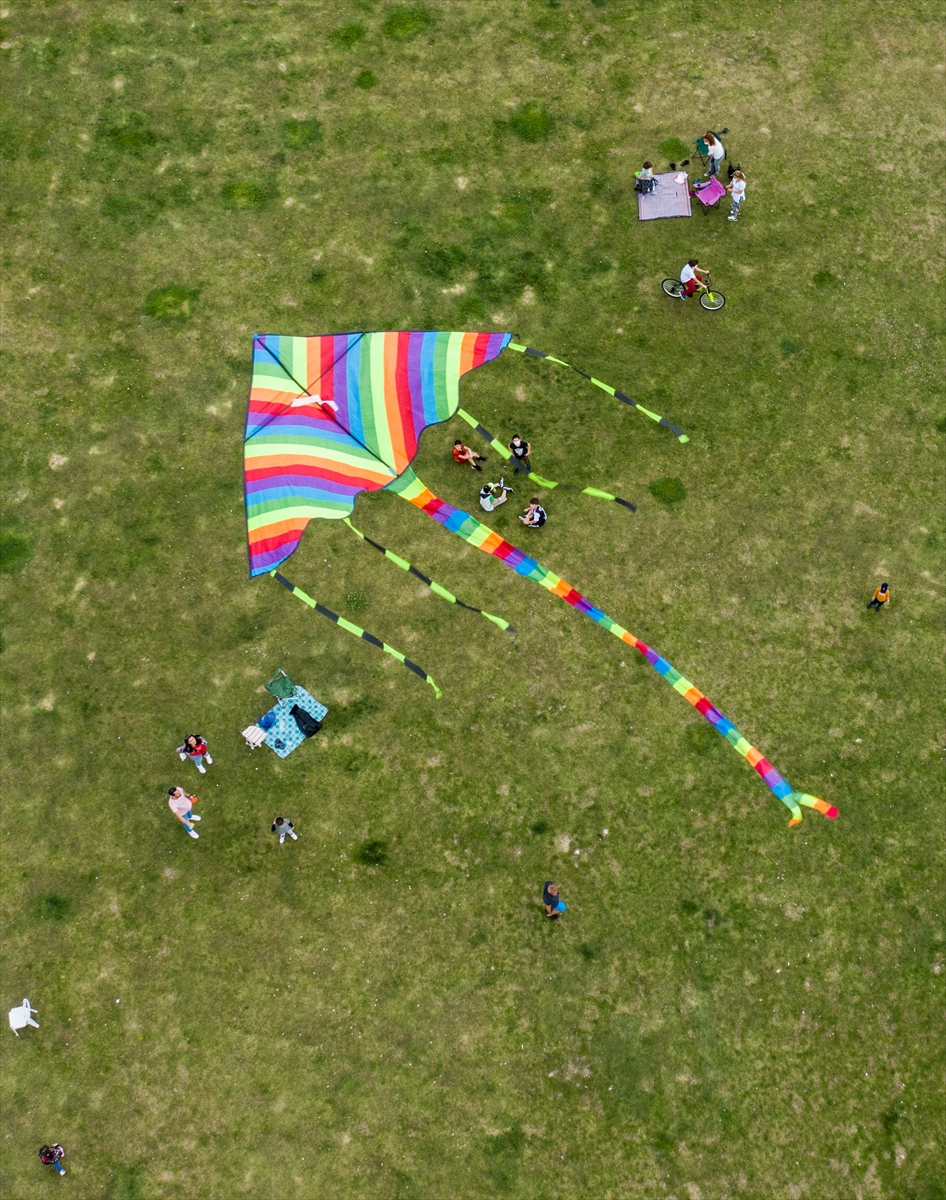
131, 134
406, 23
52, 907
16, 548
131, 213
172, 303
532, 122
373, 853
668, 490
701, 739
296, 135
824, 278
366, 79
673, 149
349, 35
245, 194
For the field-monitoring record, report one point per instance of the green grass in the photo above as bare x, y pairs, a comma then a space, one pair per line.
379, 1010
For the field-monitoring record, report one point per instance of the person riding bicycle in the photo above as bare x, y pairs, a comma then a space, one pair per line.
691, 278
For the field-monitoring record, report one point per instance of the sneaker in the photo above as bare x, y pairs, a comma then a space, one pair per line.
193, 817
294, 836
209, 759
182, 757
282, 838
732, 218
202, 768
193, 833
475, 467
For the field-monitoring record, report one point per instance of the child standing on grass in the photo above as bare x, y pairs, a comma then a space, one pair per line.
880, 597
49, 1156
554, 905
282, 826
738, 190
195, 748
181, 804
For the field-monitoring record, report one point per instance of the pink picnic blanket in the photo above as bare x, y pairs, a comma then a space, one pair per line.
668, 199
710, 192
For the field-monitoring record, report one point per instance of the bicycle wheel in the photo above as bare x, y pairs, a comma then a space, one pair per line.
712, 301
673, 287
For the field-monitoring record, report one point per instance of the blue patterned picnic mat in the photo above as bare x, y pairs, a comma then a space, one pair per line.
285, 735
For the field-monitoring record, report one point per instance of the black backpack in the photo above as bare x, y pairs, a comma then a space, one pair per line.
308, 725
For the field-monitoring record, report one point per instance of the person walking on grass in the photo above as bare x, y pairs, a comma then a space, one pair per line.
463, 454
738, 190
880, 597
283, 826
716, 154
181, 804
554, 904
50, 1156
520, 454
195, 748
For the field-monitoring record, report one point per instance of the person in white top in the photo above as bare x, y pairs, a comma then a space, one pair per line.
691, 278
738, 189
181, 804
716, 153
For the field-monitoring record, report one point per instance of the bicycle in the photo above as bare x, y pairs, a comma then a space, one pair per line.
712, 301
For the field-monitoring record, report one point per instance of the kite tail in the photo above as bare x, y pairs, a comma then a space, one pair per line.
436, 588
542, 482
353, 629
681, 436
410, 488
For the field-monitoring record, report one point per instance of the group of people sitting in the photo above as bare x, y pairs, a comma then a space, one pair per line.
533, 516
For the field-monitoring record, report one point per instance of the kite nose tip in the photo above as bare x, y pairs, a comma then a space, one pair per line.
683, 438
832, 813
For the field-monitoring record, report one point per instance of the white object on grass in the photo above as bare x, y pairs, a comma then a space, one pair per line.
21, 1016
254, 736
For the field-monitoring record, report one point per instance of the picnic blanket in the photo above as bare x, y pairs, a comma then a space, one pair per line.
710, 192
284, 735
668, 199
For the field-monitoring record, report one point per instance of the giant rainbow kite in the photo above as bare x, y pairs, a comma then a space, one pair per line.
333, 416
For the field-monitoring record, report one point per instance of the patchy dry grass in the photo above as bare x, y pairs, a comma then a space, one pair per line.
379, 1010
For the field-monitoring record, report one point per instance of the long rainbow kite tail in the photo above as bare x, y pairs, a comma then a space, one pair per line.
436, 588
410, 488
356, 631
681, 436
504, 452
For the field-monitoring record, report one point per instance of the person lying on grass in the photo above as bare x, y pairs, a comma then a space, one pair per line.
463, 454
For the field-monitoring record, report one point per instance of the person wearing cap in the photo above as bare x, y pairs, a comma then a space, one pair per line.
880, 597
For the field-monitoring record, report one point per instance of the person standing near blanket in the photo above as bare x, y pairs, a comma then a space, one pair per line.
195, 748
554, 904
691, 278
49, 1156
716, 154
738, 190
181, 804
520, 454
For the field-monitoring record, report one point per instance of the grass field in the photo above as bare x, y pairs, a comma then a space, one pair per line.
729, 1009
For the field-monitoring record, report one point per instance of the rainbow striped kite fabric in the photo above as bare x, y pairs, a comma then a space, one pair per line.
333, 416
410, 488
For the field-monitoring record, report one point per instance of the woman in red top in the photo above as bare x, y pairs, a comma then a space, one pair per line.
195, 748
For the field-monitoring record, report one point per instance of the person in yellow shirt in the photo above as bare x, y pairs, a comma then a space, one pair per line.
880, 598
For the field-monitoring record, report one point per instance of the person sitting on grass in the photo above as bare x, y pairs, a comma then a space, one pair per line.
535, 516
645, 178
463, 454
492, 495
